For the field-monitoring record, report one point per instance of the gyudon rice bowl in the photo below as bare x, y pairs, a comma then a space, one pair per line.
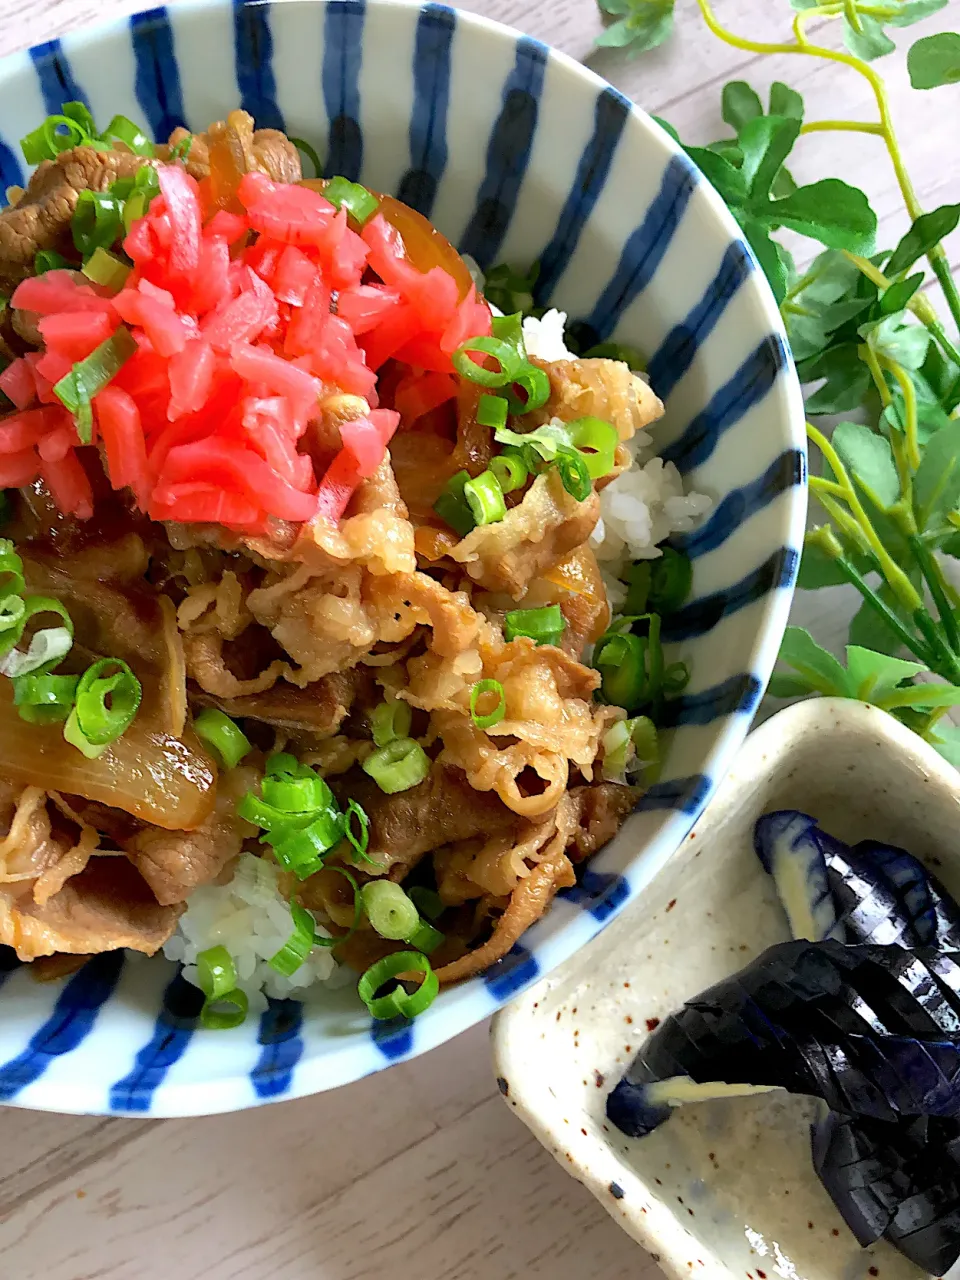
331, 593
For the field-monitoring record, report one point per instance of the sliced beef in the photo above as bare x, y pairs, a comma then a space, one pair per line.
440, 810
527, 904
107, 906
601, 809
41, 218
174, 863
320, 708
532, 536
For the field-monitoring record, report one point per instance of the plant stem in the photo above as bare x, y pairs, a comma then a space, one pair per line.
908, 391
899, 583
936, 256
932, 578
919, 305
884, 611
821, 485
842, 126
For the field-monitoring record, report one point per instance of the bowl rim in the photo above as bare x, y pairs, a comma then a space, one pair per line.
471, 1002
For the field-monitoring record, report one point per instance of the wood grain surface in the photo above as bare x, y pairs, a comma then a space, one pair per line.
419, 1173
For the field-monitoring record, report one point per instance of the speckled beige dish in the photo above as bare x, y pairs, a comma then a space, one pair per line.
723, 1190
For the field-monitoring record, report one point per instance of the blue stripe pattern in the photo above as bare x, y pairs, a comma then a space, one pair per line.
431, 99
517, 968
738, 695
175, 1025
253, 56
642, 253
11, 172
701, 616
508, 154
685, 795
157, 81
394, 1039
56, 78
71, 1022
675, 355
602, 893
746, 388
342, 56
611, 115
739, 505
282, 1048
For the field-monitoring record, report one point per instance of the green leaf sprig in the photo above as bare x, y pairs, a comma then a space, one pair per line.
868, 343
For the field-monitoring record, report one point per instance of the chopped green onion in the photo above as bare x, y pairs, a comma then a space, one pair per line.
11, 569
79, 112
631, 666
616, 744
485, 498
676, 677
510, 290
46, 647
389, 720
13, 617
137, 192
359, 842
45, 698
389, 910
398, 766
425, 938
301, 849
398, 1003
49, 260
637, 578
130, 134
574, 473
509, 328
299, 944
545, 441
596, 441
510, 470
427, 901
105, 706
97, 221
228, 740
318, 939
252, 809
492, 411
181, 150
535, 384
88, 377
545, 625
281, 762
225, 1005
295, 796
670, 579
359, 203
481, 689
452, 506
106, 269
304, 146
617, 351
56, 134
507, 356
645, 741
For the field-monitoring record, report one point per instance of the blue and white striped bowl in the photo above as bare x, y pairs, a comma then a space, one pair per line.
516, 153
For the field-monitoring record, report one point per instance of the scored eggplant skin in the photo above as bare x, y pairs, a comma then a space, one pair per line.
870, 1024
896, 1181
871, 1030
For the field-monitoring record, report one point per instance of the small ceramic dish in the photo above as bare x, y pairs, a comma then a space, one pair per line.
724, 1189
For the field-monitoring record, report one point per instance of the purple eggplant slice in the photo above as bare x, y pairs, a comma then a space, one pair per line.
788, 847
871, 1030
899, 1181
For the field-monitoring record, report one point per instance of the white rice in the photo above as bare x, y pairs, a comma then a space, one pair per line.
249, 916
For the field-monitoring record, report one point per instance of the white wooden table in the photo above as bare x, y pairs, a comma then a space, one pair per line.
419, 1173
